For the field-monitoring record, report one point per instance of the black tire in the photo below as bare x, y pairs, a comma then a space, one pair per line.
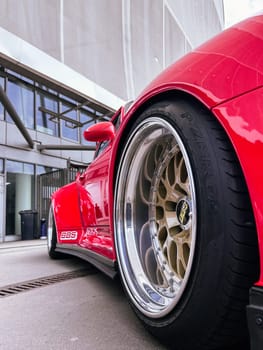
177, 148
52, 238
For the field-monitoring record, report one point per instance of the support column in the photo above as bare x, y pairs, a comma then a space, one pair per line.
23, 198
2, 207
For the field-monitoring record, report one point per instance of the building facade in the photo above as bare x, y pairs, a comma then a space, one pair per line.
67, 64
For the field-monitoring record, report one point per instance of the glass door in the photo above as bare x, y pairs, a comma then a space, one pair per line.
19, 195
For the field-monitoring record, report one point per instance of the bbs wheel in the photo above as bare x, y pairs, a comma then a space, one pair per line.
184, 231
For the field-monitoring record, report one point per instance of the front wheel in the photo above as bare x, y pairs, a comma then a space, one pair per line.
184, 231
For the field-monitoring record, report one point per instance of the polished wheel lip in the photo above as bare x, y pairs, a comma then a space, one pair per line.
152, 300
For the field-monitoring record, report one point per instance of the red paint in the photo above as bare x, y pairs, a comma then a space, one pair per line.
100, 132
242, 120
67, 212
95, 184
224, 67
225, 74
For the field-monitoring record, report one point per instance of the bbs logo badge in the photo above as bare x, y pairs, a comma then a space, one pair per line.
68, 235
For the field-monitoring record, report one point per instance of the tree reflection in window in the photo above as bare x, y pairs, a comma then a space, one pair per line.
44, 103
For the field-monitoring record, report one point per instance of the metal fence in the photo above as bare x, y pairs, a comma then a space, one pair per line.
50, 182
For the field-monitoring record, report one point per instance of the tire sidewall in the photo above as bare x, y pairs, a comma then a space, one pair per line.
52, 236
201, 290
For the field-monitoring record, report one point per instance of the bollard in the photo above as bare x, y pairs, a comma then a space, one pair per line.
43, 229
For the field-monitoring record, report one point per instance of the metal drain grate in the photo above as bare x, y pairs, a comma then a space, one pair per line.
43, 281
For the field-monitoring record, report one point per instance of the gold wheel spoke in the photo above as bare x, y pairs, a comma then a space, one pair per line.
155, 215
182, 241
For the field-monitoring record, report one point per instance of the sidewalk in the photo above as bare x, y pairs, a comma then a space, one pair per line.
22, 244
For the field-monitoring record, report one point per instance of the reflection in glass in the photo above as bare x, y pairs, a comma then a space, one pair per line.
68, 129
22, 98
46, 103
88, 121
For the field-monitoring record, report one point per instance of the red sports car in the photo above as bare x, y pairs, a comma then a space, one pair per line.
173, 200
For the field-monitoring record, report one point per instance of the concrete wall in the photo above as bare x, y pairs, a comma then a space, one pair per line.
119, 44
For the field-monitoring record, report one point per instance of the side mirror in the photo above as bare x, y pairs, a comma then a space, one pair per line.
100, 132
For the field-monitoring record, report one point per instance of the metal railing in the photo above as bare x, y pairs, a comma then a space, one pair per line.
50, 182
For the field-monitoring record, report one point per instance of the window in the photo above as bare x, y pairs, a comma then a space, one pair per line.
19, 193
41, 169
2, 82
45, 88
117, 121
102, 146
46, 108
22, 97
1, 165
88, 121
19, 76
69, 130
18, 167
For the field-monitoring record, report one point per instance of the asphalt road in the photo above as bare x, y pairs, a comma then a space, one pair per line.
89, 312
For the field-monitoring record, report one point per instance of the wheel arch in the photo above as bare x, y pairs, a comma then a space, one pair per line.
134, 113
137, 109
143, 115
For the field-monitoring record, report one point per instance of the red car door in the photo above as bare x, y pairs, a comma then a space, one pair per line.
93, 194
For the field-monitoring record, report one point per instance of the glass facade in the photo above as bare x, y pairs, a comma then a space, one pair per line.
86, 121
69, 130
45, 112
20, 194
22, 96
44, 123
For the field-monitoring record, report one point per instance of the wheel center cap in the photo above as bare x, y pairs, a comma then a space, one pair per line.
183, 211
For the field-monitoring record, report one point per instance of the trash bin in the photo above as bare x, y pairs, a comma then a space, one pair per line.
28, 224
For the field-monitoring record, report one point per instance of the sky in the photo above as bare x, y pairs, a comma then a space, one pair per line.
236, 10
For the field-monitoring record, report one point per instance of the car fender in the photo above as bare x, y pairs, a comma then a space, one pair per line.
242, 121
217, 70
66, 211
213, 74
